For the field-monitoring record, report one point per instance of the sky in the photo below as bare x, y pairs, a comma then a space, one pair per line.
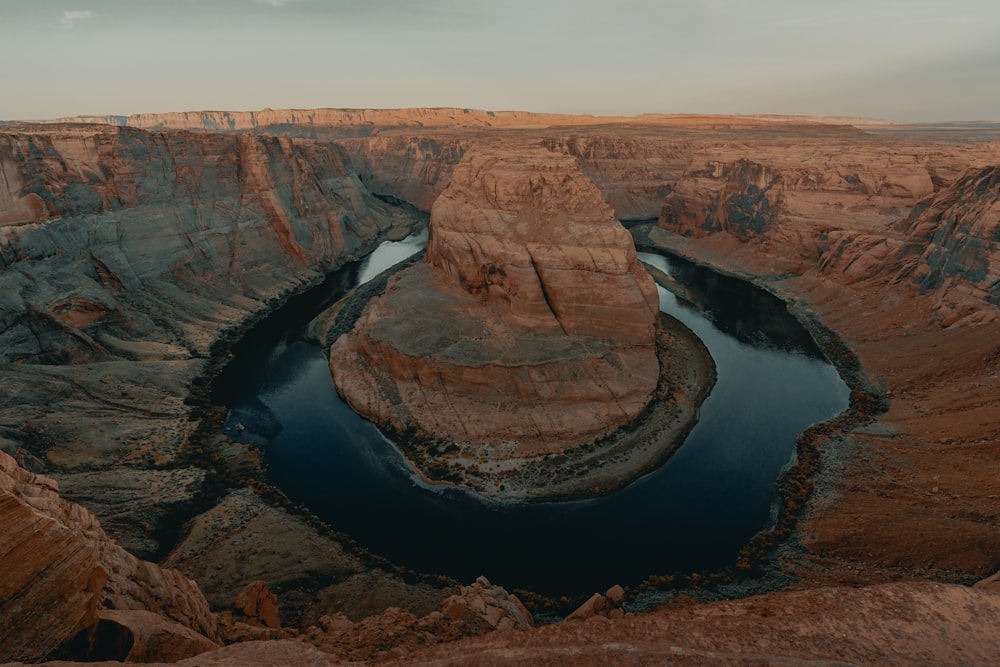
907, 60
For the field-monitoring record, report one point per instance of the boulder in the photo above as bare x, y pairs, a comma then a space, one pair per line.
259, 604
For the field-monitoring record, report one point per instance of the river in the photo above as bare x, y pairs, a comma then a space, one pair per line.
693, 513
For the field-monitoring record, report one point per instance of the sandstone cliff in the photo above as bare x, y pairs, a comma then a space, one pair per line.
531, 232
531, 323
830, 220
59, 568
953, 246
126, 257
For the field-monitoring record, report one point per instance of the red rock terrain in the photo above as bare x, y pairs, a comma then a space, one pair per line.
126, 254
531, 323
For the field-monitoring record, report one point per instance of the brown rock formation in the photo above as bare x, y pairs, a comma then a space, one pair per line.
895, 625
258, 604
475, 610
608, 605
52, 579
60, 569
532, 322
137, 249
142, 636
956, 236
531, 231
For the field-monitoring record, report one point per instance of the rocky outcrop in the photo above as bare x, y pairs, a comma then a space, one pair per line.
141, 636
529, 328
60, 569
608, 605
258, 604
896, 625
953, 245
475, 610
742, 198
531, 232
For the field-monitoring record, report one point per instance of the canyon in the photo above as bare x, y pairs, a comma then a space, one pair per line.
133, 259
529, 333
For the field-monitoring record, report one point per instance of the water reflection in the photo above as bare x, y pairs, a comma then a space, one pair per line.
694, 512
752, 316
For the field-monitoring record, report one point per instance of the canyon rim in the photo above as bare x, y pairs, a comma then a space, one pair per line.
135, 255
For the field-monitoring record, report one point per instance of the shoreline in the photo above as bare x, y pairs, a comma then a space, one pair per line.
601, 467
795, 486
755, 560
687, 375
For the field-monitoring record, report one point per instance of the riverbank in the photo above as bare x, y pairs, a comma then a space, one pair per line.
687, 374
902, 486
756, 566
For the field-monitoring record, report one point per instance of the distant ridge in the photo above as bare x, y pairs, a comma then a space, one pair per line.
223, 121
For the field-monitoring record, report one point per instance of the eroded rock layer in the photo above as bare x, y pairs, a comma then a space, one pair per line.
531, 325
59, 568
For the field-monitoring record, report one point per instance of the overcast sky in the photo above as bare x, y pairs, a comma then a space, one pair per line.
895, 59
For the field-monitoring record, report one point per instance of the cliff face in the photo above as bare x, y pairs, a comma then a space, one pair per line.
531, 323
953, 244
532, 232
413, 168
742, 198
367, 120
60, 568
124, 230
125, 255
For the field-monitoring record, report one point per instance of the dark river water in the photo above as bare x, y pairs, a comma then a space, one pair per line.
693, 513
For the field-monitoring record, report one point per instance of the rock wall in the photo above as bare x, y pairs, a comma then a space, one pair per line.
59, 568
531, 231
953, 245
121, 230
124, 256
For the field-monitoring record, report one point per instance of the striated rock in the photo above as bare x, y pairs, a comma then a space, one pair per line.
531, 232
531, 325
953, 246
60, 569
52, 577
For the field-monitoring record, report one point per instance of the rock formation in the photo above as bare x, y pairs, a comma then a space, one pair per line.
475, 610
530, 326
125, 255
59, 569
955, 238
126, 259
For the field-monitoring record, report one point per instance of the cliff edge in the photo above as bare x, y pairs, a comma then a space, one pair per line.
530, 330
